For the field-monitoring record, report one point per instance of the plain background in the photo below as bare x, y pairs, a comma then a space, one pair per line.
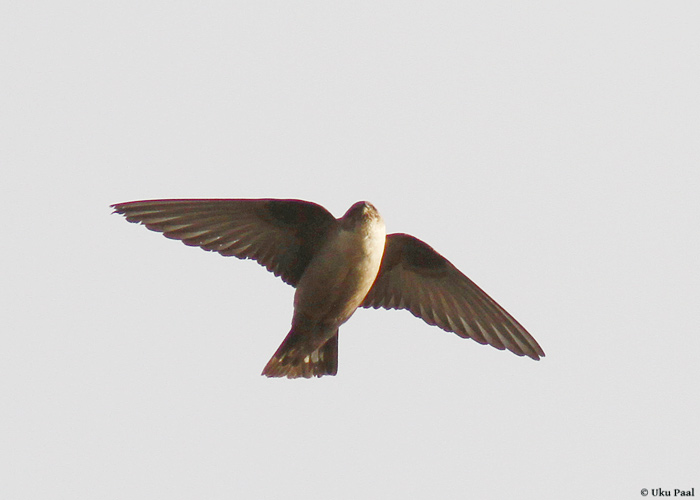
550, 150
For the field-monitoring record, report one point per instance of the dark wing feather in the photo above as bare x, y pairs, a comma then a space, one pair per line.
282, 235
413, 276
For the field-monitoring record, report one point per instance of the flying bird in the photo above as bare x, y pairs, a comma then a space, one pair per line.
336, 266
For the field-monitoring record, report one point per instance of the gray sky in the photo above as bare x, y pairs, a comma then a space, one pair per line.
549, 150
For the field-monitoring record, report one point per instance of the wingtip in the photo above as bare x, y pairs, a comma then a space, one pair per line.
117, 208
535, 354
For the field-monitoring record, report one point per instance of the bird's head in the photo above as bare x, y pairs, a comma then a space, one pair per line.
361, 213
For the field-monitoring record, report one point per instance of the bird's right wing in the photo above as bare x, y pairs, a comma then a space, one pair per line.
281, 235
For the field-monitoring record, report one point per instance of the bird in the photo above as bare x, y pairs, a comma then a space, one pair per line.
336, 266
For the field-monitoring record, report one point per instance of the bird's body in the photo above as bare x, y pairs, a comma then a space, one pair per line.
339, 276
333, 286
336, 265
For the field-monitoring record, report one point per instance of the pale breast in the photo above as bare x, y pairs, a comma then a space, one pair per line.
341, 274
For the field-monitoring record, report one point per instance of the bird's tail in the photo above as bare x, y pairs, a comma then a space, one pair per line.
292, 360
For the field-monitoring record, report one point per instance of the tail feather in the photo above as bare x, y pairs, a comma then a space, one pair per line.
289, 360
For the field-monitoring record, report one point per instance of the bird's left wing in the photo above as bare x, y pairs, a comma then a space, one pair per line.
282, 235
413, 276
